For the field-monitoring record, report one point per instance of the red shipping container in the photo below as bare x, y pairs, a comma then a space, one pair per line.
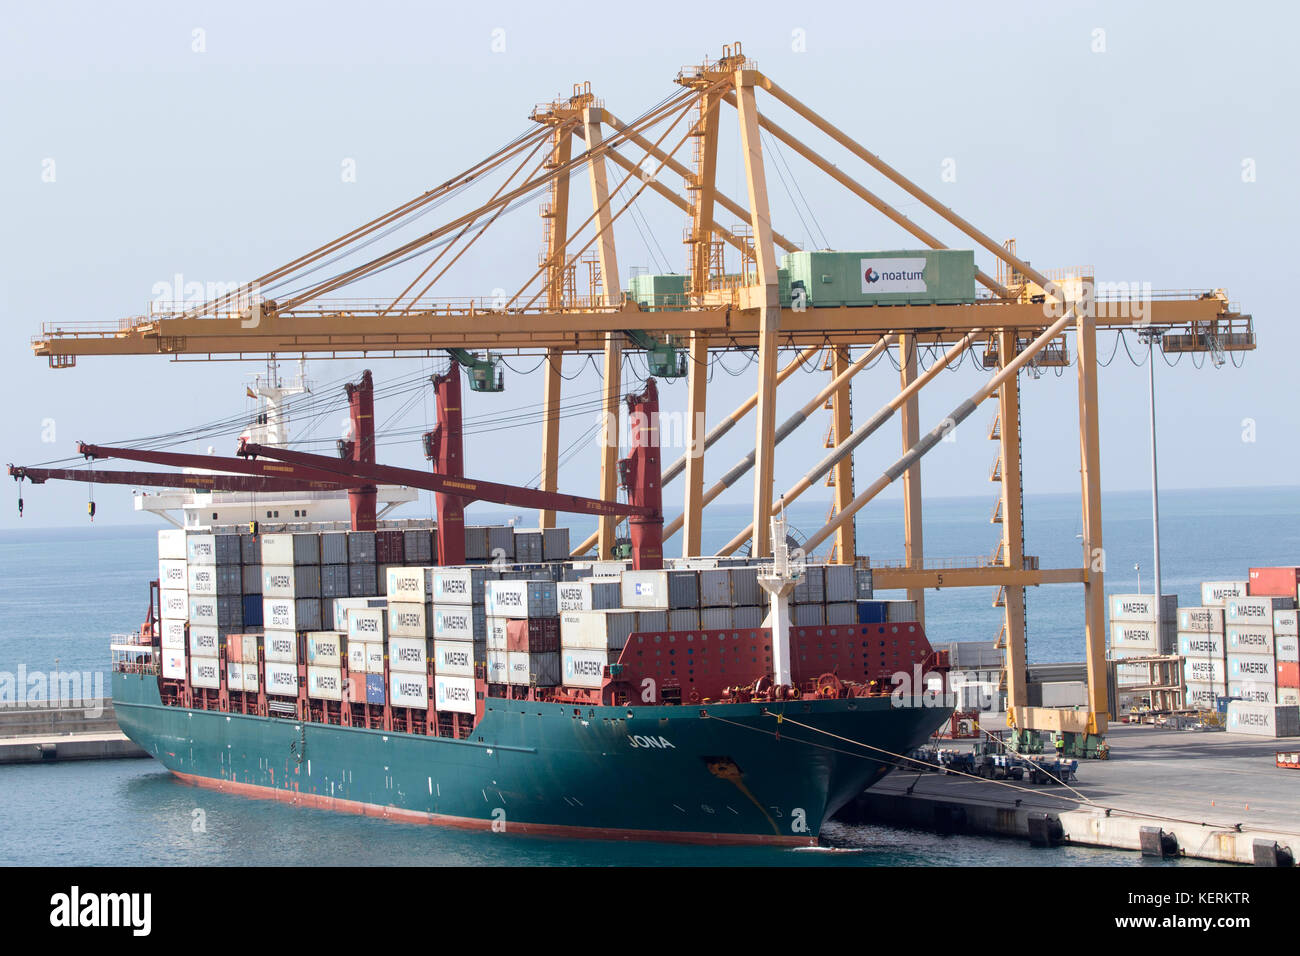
390, 547
1288, 674
234, 644
357, 688
535, 635
1273, 582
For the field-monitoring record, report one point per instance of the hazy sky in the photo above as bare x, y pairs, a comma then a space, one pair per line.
1118, 135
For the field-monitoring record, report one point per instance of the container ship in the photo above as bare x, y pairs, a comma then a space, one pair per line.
480, 677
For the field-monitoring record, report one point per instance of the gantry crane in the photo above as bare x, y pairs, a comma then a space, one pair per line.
1022, 319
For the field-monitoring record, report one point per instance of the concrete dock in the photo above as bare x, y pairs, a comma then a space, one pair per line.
1204, 794
35, 732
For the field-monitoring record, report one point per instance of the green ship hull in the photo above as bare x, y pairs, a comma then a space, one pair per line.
718, 773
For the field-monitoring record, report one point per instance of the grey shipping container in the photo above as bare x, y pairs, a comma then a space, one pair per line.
335, 581
228, 549
555, 544
250, 549
307, 614
684, 619
501, 540
334, 547
476, 544
652, 621
845, 612
417, 546
807, 615
715, 588
745, 591
252, 578
716, 618
811, 588
327, 613
748, 616
361, 547
528, 546
865, 588
363, 580
841, 583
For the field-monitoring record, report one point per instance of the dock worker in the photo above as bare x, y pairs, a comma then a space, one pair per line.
1060, 745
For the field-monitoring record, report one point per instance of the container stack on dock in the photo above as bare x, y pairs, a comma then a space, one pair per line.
1134, 634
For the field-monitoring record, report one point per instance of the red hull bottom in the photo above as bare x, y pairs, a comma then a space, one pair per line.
396, 814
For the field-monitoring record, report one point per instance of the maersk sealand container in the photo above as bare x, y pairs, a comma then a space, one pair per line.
900, 277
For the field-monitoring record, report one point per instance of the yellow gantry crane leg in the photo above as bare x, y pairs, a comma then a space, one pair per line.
910, 422
613, 364
846, 542
1013, 540
552, 384
1094, 557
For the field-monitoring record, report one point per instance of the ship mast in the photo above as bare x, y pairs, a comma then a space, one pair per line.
779, 579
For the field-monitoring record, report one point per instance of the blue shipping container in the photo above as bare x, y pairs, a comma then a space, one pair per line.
252, 610
374, 688
871, 612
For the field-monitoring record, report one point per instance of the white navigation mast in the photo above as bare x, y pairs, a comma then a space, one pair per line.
779, 579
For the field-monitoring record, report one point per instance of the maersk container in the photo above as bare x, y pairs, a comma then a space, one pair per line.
661, 590
280, 647
410, 585
374, 658
171, 545
175, 603
476, 544
173, 575
842, 612
1249, 639
205, 641
498, 666
533, 668
364, 580
1138, 638
279, 614
520, 599
375, 689
334, 547
367, 623
1256, 610
748, 617
717, 618
410, 619
417, 546
1263, 720
536, 635
250, 579
1141, 608
872, 612
1286, 623
361, 547
585, 667
325, 648
223, 611
1208, 620
1205, 670
174, 664
172, 635
841, 583
201, 549
324, 683
1200, 644
241, 677
459, 623
891, 277
205, 672
1202, 696
1253, 691
287, 549
1286, 648
496, 633
454, 694
408, 654
291, 581
453, 658
807, 615
1218, 593
528, 547
811, 588
598, 630
356, 657
281, 679
1256, 667
460, 585
555, 544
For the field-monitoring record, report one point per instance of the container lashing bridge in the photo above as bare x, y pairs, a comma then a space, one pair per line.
1023, 319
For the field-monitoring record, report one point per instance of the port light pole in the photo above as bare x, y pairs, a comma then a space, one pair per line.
1151, 336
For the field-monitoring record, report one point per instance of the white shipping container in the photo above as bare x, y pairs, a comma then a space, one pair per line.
173, 575
661, 590
1066, 693
204, 640
203, 610
1206, 619
1286, 649
1257, 667
460, 585
324, 683
583, 667
235, 676
1253, 691
408, 654
201, 549
410, 585
279, 614
537, 669
1256, 610
1203, 696
173, 635
281, 679
1289, 696
1286, 623
1200, 644
324, 648
201, 579
1141, 636
171, 544
1249, 639
287, 549
175, 603
453, 658
205, 672
496, 633
1263, 720
410, 620
374, 658
520, 599
367, 624
288, 581
409, 689
173, 664
1141, 607
281, 647
597, 630
356, 657
1218, 593
498, 666
459, 623
455, 694
1201, 670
